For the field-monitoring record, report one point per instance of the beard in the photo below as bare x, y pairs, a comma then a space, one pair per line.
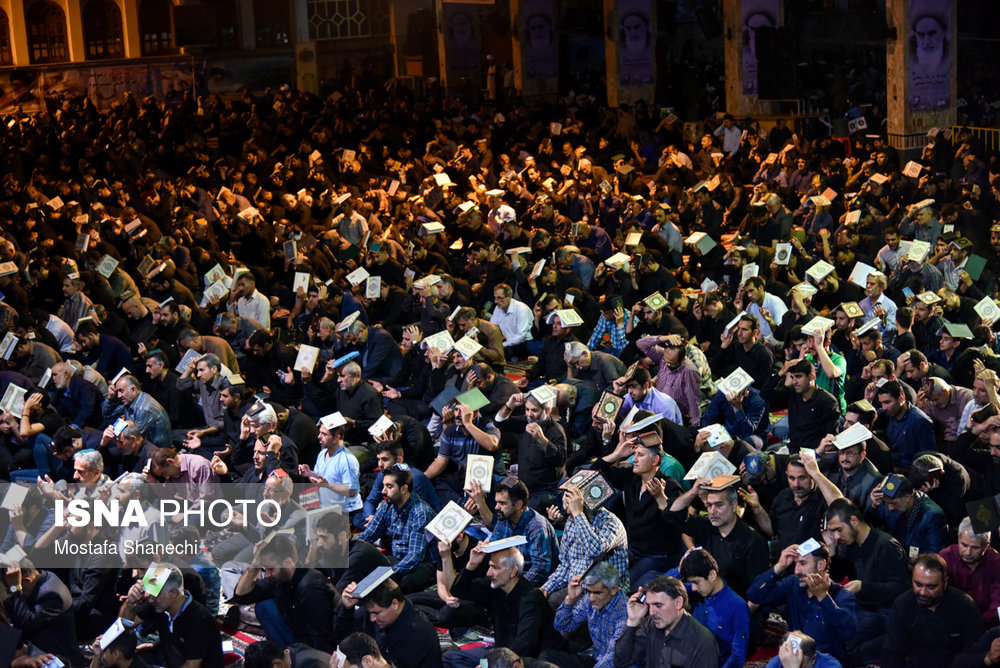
928, 601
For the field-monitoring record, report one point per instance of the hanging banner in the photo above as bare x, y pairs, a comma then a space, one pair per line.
756, 14
541, 55
461, 41
930, 55
636, 61
20, 90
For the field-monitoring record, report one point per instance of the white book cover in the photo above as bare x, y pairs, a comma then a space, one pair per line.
357, 276
8, 344
13, 400
736, 382
709, 465
859, 275
190, 355
480, 468
305, 361
107, 266
450, 522
380, 426
301, 282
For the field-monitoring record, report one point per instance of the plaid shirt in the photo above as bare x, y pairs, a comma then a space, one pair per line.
405, 526
605, 625
616, 333
585, 540
540, 551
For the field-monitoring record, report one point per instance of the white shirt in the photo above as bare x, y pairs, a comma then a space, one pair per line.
62, 332
515, 322
256, 307
498, 216
772, 304
890, 258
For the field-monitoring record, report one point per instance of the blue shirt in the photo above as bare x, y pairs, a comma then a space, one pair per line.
541, 549
422, 487
927, 533
752, 420
605, 625
727, 616
822, 661
830, 622
342, 468
656, 402
912, 433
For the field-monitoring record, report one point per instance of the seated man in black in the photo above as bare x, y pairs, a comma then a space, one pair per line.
41, 606
187, 631
301, 600
402, 632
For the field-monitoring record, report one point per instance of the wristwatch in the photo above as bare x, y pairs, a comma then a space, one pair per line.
15, 588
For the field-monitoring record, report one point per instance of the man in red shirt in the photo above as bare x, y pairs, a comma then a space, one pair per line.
974, 567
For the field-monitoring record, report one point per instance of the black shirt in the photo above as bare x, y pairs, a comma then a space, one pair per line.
881, 565
919, 637
689, 645
409, 642
522, 619
758, 362
647, 534
193, 635
306, 604
794, 524
809, 421
540, 467
742, 555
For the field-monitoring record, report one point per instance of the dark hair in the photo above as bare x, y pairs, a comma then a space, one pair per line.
86, 329
920, 470
893, 388
161, 455
357, 646
904, 316
843, 510
865, 416
698, 563
260, 338
393, 447
916, 357
384, 594
401, 476
640, 376
795, 460
932, 562
752, 319
803, 366
159, 356
515, 489
331, 523
281, 547
665, 584
872, 334
63, 438
821, 553
261, 653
